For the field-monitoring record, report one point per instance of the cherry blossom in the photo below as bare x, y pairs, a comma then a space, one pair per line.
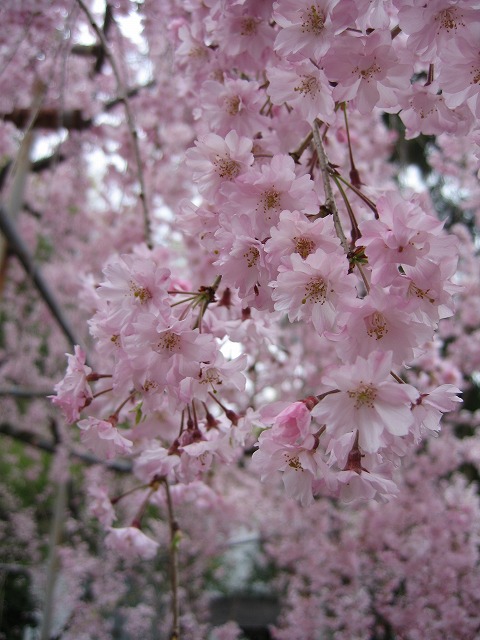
103, 437
367, 70
73, 393
311, 288
363, 398
131, 543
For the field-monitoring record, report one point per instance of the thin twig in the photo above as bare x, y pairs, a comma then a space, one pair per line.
329, 201
174, 530
19, 392
122, 96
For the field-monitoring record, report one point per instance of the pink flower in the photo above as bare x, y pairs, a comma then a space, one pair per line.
131, 543
100, 505
459, 74
311, 288
215, 160
156, 461
366, 485
103, 438
309, 27
299, 466
136, 283
430, 407
431, 26
403, 234
380, 322
426, 112
73, 391
367, 71
363, 398
263, 194
295, 233
305, 87
233, 104
292, 426
166, 353
243, 261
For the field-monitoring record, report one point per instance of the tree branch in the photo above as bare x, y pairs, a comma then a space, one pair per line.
330, 200
34, 440
130, 121
18, 247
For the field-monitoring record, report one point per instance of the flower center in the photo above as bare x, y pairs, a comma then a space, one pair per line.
413, 290
368, 73
197, 52
313, 21
304, 246
211, 377
376, 325
149, 385
364, 395
251, 255
248, 26
308, 85
293, 462
168, 341
232, 105
448, 19
315, 291
141, 293
271, 199
227, 168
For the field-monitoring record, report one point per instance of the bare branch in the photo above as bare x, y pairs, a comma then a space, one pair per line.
18, 247
33, 440
122, 93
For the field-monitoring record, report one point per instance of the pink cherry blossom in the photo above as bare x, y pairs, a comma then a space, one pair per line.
264, 193
295, 233
431, 26
311, 288
427, 113
305, 87
309, 27
380, 322
131, 543
215, 160
459, 73
73, 392
233, 104
364, 398
103, 438
366, 70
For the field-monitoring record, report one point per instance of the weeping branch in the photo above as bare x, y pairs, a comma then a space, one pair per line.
123, 97
18, 247
329, 199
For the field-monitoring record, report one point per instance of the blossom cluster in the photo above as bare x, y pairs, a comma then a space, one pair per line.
295, 224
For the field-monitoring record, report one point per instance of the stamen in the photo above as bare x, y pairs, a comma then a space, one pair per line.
315, 291
227, 168
304, 246
168, 341
252, 256
313, 21
376, 325
364, 395
141, 293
